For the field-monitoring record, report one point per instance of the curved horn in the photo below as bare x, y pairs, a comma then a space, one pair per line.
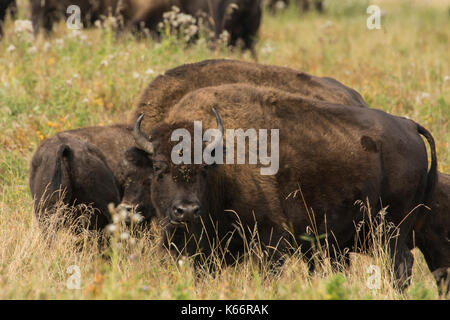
219, 126
140, 139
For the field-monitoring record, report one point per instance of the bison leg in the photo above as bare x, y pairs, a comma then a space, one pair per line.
303, 5
318, 4
403, 261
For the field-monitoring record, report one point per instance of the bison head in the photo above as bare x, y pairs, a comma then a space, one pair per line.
180, 193
135, 180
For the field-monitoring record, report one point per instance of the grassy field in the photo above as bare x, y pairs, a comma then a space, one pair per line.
93, 78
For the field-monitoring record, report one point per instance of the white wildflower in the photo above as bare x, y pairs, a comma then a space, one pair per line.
11, 48
136, 218
224, 37
47, 46
136, 75
280, 5
116, 218
267, 48
327, 24
124, 236
149, 71
123, 213
23, 26
421, 96
32, 50
59, 42
83, 37
111, 228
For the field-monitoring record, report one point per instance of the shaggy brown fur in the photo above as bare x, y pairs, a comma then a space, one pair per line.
70, 169
330, 155
114, 148
167, 90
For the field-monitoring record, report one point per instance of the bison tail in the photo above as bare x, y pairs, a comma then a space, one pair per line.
432, 172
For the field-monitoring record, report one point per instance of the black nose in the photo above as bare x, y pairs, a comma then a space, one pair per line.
186, 211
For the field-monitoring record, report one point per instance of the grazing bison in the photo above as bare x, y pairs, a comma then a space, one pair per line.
330, 155
93, 161
167, 90
4, 6
240, 19
432, 233
130, 13
74, 171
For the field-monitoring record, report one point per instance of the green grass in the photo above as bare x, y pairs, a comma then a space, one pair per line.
95, 79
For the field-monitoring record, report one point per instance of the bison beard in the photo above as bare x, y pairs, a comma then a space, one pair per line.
385, 158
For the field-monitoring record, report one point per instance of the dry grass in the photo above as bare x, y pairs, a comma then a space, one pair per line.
67, 81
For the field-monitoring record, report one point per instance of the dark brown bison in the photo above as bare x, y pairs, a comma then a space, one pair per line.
167, 90
303, 5
129, 13
94, 166
74, 171
126, 162
330, 155
432, 233
240, 19
4, 6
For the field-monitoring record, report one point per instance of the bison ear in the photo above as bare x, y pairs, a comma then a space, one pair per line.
138, 157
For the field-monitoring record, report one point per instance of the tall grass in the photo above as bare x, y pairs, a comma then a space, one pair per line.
71, 80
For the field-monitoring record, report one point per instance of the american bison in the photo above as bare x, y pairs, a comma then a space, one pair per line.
4, 6
432, 233
240, 19
330, 155
166, 90
127, 12
92, 166
74, 171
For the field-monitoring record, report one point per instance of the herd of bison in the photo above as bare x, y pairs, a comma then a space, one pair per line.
334, 151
